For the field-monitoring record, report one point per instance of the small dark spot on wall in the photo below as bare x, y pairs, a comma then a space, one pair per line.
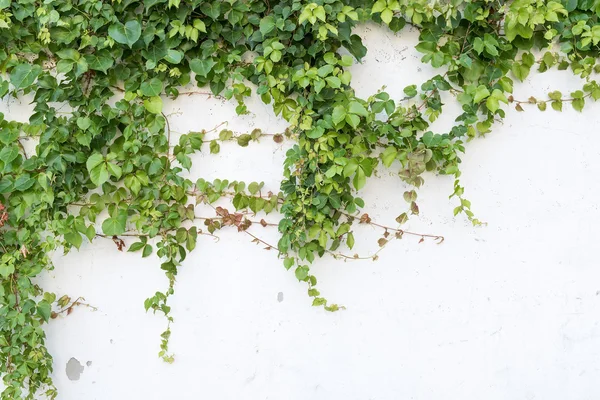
280, 297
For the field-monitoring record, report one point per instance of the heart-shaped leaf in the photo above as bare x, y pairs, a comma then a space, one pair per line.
126, 34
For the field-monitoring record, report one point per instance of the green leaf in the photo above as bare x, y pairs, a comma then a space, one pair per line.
353, 120
114, 226
74, 238
202, 67
389, 155
99, 174
214, 147
136, 246
315, 133
360, 179
174, 56
244, 139
84, 123
346, 61
94, 160
154, 105
6, 184
151, 88
334, 82
44, 310
23, 75
96, 166
288, 262
301, 273
125, 34
387, 15
100, 61
356, 108
480, 93
147, 251
267, 24
350, 240
23, 182
410, 91
114, 170
8, 154
6, 270
338, 114
520, 71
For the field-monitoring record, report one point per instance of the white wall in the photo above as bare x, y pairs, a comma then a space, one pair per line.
506, 311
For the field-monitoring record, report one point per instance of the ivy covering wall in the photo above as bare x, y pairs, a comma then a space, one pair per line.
105, 166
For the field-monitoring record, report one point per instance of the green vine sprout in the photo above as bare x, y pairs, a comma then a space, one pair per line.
99, 71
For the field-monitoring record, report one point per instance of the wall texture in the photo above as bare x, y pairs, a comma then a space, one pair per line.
510, 310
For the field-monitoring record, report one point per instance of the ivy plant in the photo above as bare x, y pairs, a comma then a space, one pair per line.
108, 168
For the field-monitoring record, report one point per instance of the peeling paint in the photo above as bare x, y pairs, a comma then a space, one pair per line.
74, 369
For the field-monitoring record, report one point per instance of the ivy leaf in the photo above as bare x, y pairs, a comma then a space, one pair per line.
114, 226
410, 91
6, 270
350, 240
387, 15
338, 115
84, 123
125, 34
356, 108
480, 93
244, 139
360, 178
114, 170
100, 61
214, 147
99, 174
301, 273
6, 184
316, 132
147, 250
44, 310
174, 56
389, 155
8, 154
353, 120
74, 238
288, 262
202, 66
334, 82
151, 88
267, 24
154, 105
96, 166
94, 160
136, 246
23, 75
23, 182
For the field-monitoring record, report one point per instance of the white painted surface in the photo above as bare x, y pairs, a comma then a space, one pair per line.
507, 311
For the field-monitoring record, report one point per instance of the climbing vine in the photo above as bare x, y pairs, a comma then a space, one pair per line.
107, 166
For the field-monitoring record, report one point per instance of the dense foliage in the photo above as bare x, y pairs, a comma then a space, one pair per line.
105, 167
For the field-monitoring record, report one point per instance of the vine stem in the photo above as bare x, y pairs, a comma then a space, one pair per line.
365, 219
20, 144
168, 134
77, 302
